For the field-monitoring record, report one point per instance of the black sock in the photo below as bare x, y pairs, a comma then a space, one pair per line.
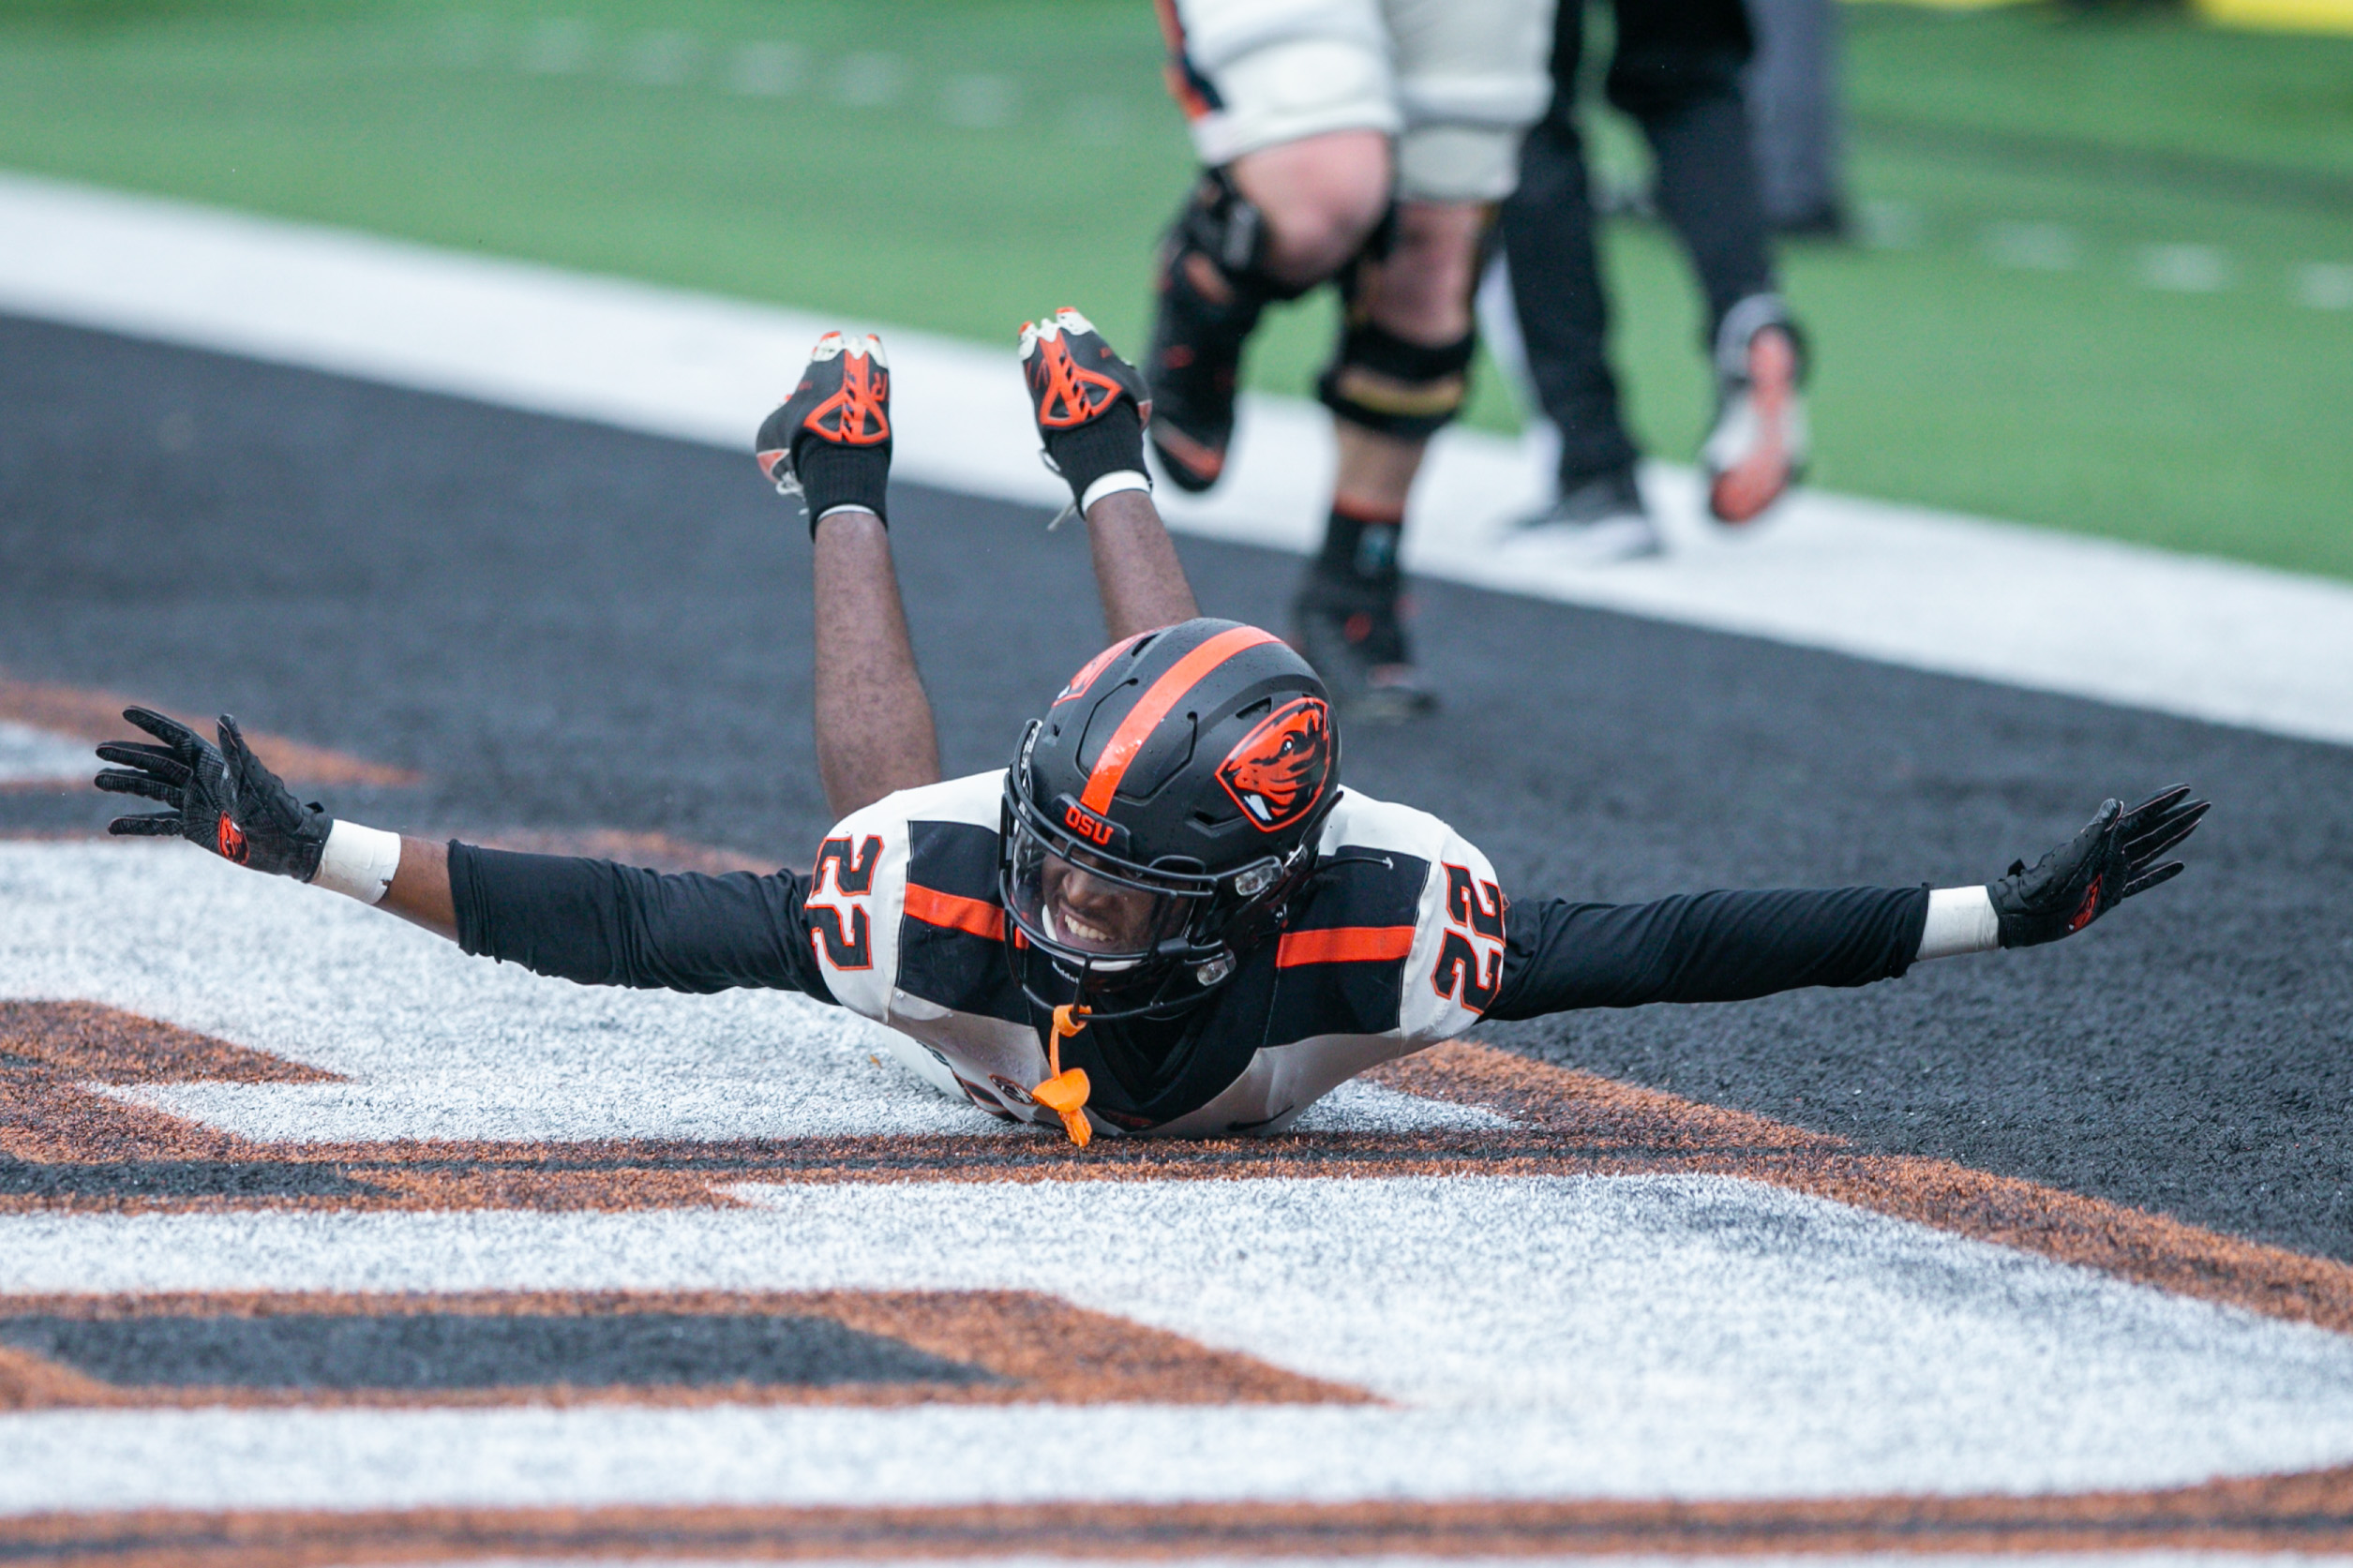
1360, 547
832, 476
1111, 444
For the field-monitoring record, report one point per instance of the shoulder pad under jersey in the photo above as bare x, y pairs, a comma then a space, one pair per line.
902, 903
1401, 934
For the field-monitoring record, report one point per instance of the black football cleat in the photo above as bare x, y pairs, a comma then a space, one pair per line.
1073, 376
1353, 632
844, 400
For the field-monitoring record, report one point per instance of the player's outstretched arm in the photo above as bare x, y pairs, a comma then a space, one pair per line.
588, 920
1729, 946
1091, 407
223, 797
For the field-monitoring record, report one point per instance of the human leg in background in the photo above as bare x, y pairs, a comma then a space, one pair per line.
1469, 79
1548, 245
831, 441
1290, 105
1265, 229
1791, 86
1403, 371
1677, 72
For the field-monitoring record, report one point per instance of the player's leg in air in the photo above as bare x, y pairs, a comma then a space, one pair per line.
1365, 144
1677, 70
829, 443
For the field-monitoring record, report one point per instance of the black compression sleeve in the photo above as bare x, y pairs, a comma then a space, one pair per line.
605, 924
1704, 947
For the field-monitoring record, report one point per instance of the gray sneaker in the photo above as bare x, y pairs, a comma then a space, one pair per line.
1594, 522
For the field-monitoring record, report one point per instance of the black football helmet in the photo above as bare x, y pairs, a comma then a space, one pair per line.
1159, 815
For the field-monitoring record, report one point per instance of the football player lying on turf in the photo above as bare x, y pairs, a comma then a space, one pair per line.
1166, 915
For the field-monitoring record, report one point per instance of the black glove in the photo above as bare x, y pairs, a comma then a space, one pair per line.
2095, 871
220, 797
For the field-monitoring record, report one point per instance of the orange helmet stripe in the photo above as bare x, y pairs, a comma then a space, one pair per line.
1150, 709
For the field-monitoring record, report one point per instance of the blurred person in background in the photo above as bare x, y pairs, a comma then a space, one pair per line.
1676, 71
1363, 142
1792, 89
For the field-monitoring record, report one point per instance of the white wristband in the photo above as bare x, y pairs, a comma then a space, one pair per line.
1960, 920
1111, 484
357, 862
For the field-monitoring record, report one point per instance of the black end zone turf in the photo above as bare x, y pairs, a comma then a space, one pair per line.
180, 1179
569, 626
421, 1350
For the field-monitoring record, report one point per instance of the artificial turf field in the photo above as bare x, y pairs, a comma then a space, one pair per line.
319, 1243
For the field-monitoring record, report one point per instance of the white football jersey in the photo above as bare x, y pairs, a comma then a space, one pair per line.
1395, 943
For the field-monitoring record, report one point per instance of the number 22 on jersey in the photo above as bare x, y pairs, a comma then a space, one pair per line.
842, 931
1470, 967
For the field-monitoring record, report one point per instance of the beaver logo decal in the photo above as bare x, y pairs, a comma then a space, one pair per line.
1278, 773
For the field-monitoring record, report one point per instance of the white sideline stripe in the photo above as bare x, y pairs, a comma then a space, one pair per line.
1538, 1337
2203, 638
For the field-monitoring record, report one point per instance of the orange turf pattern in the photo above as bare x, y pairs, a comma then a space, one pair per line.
2308, 1513
1042, 1350
1569, 1123
96, 715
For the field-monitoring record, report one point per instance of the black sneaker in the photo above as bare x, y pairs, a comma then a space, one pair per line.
844, 400
1089, 405
1072, 374
1352, 632
1593, 522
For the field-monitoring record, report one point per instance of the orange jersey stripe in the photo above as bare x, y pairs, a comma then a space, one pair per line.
1343, 945
1163, 695
935, 908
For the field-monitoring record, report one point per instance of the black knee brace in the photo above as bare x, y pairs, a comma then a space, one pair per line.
1225, 228
1385, 384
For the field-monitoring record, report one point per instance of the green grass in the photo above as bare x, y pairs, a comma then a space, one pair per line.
959, 166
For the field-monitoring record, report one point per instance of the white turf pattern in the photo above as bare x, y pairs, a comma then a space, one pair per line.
2209, 639
1538, 1338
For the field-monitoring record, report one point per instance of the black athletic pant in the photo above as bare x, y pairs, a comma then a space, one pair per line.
1677, 72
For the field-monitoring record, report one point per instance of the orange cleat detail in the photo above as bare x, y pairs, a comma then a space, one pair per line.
1195, 465
1066, 394
858, 414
